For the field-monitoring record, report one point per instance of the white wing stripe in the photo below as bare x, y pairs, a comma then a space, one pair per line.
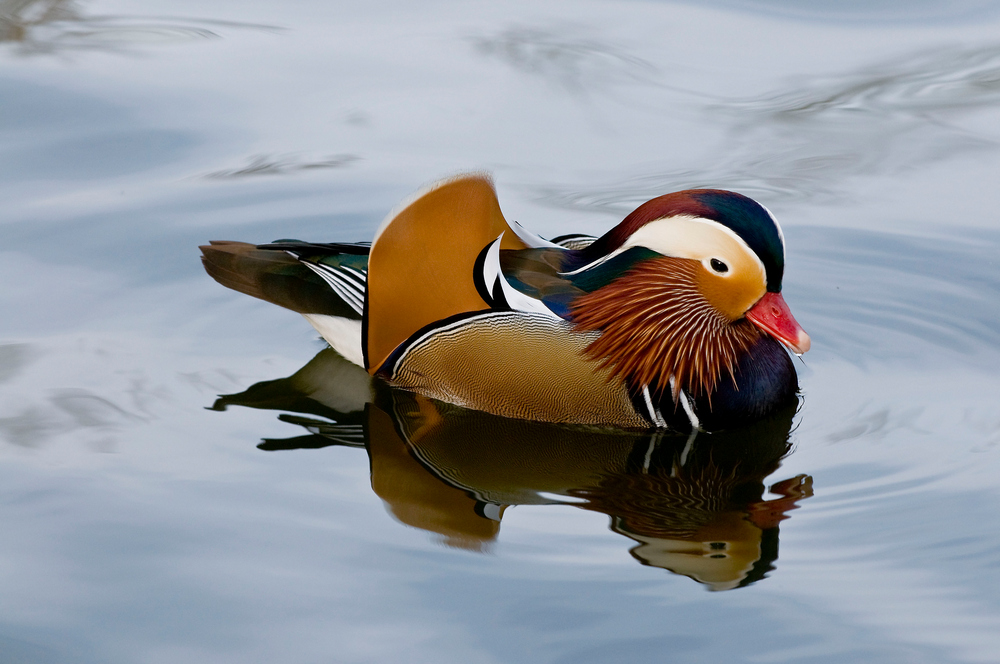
362, 276
346, 277
348, 281
347, 290
341, 272
346, 295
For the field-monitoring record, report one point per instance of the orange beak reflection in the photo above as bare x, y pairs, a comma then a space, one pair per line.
772, 315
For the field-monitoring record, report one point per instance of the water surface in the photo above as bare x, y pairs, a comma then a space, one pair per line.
148, 519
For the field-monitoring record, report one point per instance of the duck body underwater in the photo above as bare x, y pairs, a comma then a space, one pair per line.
673, 319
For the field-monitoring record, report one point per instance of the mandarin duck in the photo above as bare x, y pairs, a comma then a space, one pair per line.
672, 319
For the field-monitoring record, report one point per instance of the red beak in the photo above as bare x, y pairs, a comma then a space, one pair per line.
771, 314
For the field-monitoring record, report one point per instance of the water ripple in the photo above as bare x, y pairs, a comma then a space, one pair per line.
869, 12
572, 62
870, 294
808, 141
13, 358
934, 81
36, 27
263, 164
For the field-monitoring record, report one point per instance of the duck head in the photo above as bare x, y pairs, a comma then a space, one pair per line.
682, 288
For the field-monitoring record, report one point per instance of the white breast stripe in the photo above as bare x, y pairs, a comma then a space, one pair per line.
688, 407
515, 298
686, 404
654, 413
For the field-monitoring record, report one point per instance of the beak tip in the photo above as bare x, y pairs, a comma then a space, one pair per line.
803, 343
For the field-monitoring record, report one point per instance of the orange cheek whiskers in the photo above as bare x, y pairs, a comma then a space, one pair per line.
655, 324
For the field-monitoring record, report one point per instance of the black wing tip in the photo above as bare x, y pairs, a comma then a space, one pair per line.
313, 248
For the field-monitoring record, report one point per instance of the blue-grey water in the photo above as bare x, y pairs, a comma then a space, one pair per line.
142, 523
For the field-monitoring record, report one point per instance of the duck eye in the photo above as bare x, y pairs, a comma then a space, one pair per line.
719, 266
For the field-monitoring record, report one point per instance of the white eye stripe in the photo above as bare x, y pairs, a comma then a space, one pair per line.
694, 237
687, 236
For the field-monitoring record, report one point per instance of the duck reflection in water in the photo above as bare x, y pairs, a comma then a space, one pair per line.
694, 504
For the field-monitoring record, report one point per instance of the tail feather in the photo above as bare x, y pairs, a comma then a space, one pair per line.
272, 276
